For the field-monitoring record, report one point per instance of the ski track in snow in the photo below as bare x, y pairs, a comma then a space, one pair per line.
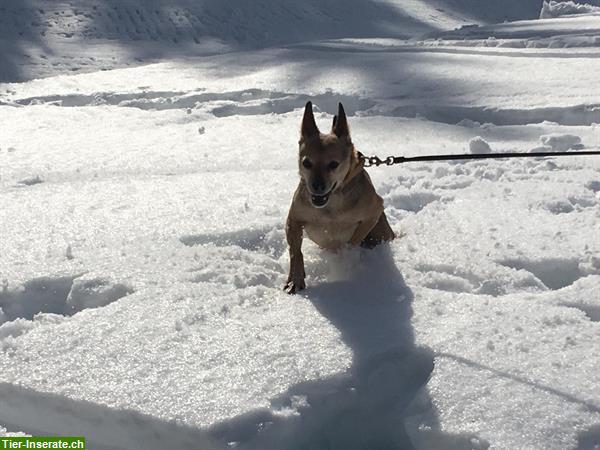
143, 247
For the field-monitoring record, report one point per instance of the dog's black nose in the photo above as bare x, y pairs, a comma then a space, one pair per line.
318, 186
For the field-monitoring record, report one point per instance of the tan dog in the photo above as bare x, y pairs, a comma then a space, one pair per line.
335, 202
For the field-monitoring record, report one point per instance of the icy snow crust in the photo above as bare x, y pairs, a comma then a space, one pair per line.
143, 250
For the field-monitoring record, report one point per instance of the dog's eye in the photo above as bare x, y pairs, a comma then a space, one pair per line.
306, 163
333, 165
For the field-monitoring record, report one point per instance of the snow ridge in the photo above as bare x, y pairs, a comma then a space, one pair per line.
551, 9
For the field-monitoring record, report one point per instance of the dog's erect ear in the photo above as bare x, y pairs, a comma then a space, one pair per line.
334, 122
340, 124
309, 126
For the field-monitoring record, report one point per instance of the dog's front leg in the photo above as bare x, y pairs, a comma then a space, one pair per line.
363, 230
295, 281
369, 220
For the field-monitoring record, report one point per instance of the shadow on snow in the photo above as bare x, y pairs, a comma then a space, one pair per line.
365, 407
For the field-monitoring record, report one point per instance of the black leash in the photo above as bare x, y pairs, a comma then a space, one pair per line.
391, 160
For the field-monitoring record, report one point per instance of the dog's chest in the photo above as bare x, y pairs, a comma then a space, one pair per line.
329, 234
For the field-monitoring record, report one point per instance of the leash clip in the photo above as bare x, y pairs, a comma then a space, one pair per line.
371, 160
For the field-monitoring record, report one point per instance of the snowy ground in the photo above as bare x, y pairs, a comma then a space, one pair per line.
45, 37
143, 251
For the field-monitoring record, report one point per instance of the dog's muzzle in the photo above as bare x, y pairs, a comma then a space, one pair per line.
319, 201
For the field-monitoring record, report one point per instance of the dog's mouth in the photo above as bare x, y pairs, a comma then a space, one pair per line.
319, 201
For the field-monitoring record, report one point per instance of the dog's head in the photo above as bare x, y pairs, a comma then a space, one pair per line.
324, 158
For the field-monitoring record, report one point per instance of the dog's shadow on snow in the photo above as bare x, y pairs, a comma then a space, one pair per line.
363, 294
371, 306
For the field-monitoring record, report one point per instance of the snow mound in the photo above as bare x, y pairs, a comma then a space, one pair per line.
561, 142
15, 328
554, 9
21, 326
5, 432
478, 145
94, 292
31, 181
468, 123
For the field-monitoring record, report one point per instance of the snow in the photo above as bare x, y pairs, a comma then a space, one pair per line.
545, 36
556, 9
478, 145
561, 142
42, 38
4, 432
143, 250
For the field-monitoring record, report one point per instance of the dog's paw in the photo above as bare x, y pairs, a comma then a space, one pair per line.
291, 287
